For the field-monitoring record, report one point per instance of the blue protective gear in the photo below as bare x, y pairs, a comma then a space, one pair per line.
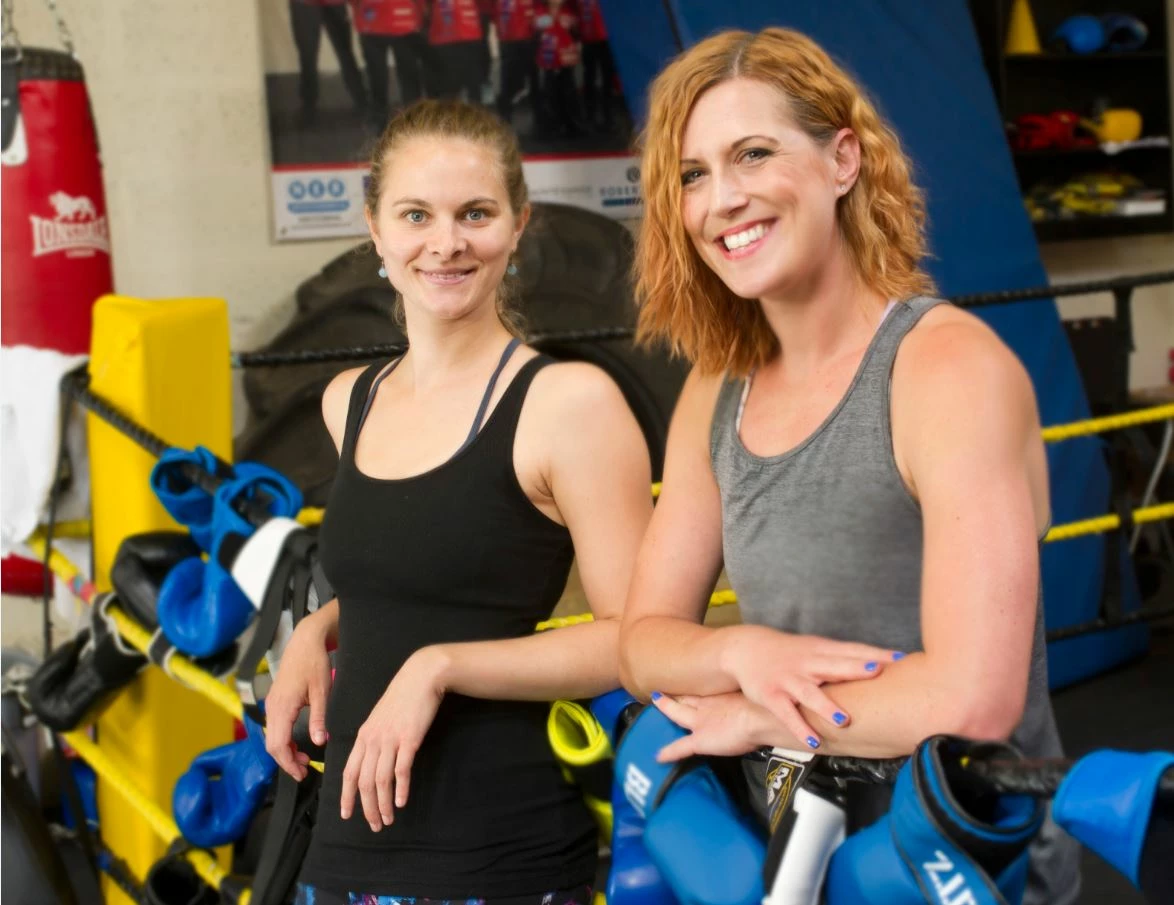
939, 842
611, 709
1123, 32
187, 503
633, 878
256, 483
694, 833
200, 608
1080, 34
215, 800
1106, 802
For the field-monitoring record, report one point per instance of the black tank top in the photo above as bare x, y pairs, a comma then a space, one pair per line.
458, 553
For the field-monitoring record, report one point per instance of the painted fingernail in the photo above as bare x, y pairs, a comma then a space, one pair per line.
870, 666
898, 655
656, 696
812, 741
840, 718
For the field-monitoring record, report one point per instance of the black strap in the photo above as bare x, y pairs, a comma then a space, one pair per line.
293, 572
481, 409
287, 838
391, 366
484, 406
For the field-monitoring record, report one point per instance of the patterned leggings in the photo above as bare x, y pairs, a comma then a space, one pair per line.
308, 895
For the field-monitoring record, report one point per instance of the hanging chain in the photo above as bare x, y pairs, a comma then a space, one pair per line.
62, 28
10, 38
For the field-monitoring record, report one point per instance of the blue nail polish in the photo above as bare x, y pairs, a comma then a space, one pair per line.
812, 741
656, 696
840, 718
898, 655
870, 666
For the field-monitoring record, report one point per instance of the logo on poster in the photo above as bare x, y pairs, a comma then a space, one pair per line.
76, 228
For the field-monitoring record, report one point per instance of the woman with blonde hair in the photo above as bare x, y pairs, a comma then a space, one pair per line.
863, 459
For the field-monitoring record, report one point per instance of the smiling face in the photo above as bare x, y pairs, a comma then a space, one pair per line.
444, 227
758, 195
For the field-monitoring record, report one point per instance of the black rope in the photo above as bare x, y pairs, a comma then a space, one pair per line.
76, 385
603, 334
1047, 292
373, 353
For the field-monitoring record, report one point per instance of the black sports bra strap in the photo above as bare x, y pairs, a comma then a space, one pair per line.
371, 394
484, 407
481, 410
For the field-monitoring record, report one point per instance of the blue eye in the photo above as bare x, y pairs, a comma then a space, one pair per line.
414, 216
477, 215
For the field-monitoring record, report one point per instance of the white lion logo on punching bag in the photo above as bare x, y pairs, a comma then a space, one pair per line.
70, 208
76, 230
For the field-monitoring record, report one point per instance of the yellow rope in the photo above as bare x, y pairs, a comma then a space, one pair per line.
1104, 523
187, 672
313, 515
205, 865
1108, 423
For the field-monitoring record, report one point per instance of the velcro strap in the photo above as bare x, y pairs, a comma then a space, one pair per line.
252, 567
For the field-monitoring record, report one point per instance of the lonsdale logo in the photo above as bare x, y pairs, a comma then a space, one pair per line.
76, 228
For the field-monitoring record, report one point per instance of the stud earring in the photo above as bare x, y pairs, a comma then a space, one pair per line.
512, 270
383, 272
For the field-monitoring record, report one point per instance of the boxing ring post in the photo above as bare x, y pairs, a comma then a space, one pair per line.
163, 363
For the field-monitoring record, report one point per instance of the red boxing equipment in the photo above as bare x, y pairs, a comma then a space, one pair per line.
56, 238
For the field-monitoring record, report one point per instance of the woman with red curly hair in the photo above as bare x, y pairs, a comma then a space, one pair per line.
863, 459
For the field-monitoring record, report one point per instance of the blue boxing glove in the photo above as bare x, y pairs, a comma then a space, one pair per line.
1108, 802
694, 834
200, 608
633, 879
940, 841
186, 502
215, 800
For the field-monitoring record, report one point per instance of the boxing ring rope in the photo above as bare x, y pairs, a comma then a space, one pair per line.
181, 668
205, 865
1116, 285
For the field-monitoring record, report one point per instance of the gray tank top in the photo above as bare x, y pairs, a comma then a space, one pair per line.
826, 539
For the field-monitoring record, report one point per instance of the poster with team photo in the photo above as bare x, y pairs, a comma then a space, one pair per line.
336, 70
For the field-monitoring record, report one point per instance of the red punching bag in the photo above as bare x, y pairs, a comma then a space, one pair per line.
56, 240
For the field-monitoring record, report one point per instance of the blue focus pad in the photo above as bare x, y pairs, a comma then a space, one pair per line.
215, 800
607, 709
187, 503
633, 879
1106, 801
708, 855
200, 608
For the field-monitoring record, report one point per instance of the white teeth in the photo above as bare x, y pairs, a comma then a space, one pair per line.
744, 238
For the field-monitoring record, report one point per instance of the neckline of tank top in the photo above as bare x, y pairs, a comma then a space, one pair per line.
799, 447
460, 453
